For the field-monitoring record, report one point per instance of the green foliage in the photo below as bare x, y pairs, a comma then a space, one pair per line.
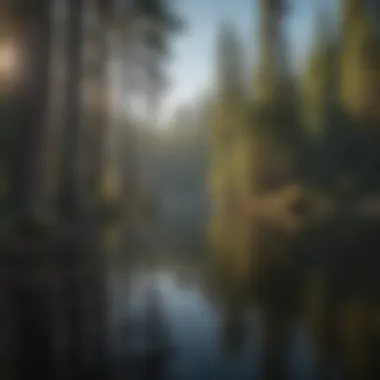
319, 80
230, 64
298, 162
360, 78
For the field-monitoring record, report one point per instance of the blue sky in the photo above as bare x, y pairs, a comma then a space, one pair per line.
193, 52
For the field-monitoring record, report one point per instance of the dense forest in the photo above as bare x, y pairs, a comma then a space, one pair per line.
294, 183
267, 188
69, 171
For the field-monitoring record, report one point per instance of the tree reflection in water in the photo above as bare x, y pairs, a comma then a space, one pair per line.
333, 294
234, 334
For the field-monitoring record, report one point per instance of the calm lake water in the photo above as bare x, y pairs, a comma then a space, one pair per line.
170, 305
166, 315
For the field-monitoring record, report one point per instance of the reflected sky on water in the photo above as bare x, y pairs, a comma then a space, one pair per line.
193, 323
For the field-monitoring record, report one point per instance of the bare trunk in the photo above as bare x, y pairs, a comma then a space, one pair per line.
31, 108
70, 188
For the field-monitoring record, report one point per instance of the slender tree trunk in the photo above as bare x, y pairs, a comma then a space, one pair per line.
55, 118
98, 112
70, 188
31, 107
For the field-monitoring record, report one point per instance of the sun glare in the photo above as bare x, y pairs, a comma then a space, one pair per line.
9, 62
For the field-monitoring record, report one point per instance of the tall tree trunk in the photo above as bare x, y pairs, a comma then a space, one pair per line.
70, 188
97, 97
91, 147
31, 106
56, 112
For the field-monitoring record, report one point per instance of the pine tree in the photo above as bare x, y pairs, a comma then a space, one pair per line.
229, 93
273, 125
271, 72
273, 137
227, 115
360, 79
258, 170
360, 90
321, 116
318, 79
227, 122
